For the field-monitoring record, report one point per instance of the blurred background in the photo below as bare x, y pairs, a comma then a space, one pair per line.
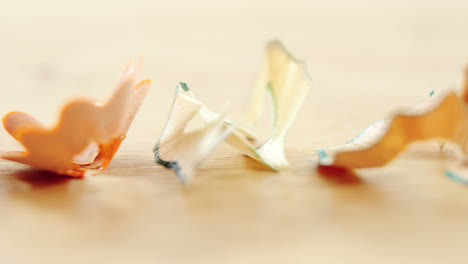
367, 58
53, 50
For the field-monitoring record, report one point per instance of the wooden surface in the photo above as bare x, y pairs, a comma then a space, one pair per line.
367, 59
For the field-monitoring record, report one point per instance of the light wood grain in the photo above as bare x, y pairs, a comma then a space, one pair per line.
367, 58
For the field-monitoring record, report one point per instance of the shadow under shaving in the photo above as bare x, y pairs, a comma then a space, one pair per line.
42, 189
255, 165
340, 176
41, 179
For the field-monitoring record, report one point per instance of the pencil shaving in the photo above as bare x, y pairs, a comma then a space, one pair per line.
87, 135
440, 118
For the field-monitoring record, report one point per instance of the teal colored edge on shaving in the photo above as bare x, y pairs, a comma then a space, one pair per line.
322, 154
456, 178
363, 132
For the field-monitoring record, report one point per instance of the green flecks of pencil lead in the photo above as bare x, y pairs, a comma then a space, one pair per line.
184, 86
432, 93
